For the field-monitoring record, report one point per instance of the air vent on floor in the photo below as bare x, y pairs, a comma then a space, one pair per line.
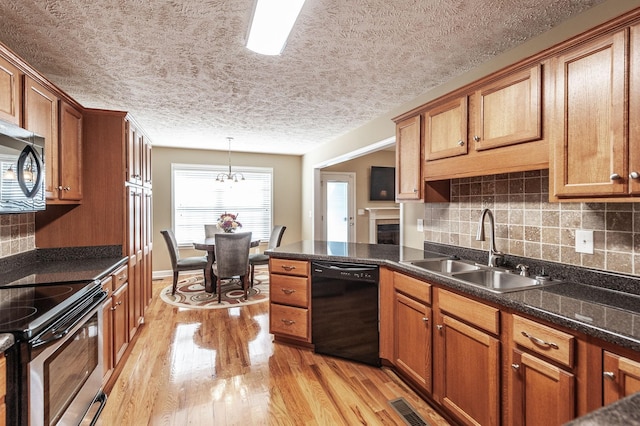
406, 411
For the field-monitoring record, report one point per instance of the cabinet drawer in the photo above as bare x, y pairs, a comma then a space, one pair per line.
289, 267
120, 276
476, 313
290, 321
3, 377
412, 287
289, 290
107, 285
544, 340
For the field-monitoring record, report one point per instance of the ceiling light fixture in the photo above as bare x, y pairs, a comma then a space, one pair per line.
229, 176
271, 24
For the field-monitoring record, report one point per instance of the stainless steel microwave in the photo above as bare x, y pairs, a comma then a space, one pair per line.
22, 170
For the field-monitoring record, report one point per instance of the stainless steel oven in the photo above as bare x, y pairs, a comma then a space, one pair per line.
65, 375
55, 369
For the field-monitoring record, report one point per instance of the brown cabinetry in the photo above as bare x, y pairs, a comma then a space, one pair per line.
621, 377
543, 379
590, 149
467, 358
115, 320
3, 390
408, 160
70, 154
289, 290
107, 330
10, 92
41, 117
412, 330
446, 129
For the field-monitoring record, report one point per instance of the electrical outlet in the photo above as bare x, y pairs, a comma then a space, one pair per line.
584, 241
420, 225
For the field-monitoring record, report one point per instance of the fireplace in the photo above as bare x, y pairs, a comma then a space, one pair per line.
384, 225
388, 233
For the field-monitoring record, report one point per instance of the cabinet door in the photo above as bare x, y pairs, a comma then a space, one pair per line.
70, 155
588, 131
413, 340
621, 377
41, 117
107, 340
542, 394
408, 160
634, 111
446, 129
134, 154
120, 308
469, 369
10, 92
509, 111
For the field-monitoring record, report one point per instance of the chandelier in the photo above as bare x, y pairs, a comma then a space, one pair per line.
229, 176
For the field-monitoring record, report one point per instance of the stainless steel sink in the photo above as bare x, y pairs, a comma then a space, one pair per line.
446, 266
500, 281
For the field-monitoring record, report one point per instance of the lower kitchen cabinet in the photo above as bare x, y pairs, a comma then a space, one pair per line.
289, 290
3, 390
621, 377
412, 331
541, 393
115, 324
467, 358
107, 330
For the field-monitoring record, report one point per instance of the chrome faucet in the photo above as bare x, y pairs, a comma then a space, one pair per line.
494, 255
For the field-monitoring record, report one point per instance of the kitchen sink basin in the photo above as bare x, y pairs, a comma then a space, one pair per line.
500, 281
447, 266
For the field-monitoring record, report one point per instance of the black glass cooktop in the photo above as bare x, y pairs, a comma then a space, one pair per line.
27, 310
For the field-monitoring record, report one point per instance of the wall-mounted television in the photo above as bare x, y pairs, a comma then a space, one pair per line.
382, 184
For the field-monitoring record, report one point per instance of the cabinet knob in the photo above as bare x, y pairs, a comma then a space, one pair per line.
609, 375
461, 143
614, 176
439, 326
415, 190
634, 175
476, 138
515, 366
425, 319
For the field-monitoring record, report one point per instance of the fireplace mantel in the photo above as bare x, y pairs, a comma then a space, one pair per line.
380, 213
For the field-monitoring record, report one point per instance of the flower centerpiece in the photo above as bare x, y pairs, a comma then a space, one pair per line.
228, 222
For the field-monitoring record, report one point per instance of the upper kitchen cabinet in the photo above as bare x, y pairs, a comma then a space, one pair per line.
135, 146
590, 149
509, 111
70, 154
41, 117
446, 129
10, 92
498, 128
408, 176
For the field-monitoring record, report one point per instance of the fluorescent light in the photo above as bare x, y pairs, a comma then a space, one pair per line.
272, 22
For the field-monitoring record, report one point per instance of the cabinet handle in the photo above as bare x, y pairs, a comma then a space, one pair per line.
439, 326
614, 176
288, 321
113, 309
288, 268
288, 290
476, 138
122, 277
460, 142
515, 366
634, 175
609, 375
425, 319
539, 342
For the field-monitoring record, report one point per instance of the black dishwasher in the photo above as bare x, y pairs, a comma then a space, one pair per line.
344, 310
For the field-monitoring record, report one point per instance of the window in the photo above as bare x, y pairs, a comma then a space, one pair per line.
198, 199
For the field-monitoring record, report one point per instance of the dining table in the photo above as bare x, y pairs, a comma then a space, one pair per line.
209, 244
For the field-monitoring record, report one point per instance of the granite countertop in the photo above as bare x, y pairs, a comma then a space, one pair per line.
597, 303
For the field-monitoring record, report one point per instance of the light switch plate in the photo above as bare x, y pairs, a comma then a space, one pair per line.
420, 225
584, 241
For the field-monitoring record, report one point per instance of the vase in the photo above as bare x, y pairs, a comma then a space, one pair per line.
228, 231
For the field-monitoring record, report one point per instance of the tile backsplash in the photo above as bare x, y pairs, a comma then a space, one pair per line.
17, 233
528, 225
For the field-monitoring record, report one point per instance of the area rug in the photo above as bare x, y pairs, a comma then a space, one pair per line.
190, 292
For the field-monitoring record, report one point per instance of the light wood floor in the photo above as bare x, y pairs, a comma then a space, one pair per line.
221, 367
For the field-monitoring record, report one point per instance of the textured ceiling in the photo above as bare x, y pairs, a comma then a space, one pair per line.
181, 68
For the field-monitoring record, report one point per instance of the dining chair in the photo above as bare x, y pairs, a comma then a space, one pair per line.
181, 264
210, 230
232, 259
261, 258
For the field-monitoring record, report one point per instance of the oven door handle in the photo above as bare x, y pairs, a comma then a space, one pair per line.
76, 317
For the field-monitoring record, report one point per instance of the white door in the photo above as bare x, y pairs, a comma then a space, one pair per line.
338, 200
